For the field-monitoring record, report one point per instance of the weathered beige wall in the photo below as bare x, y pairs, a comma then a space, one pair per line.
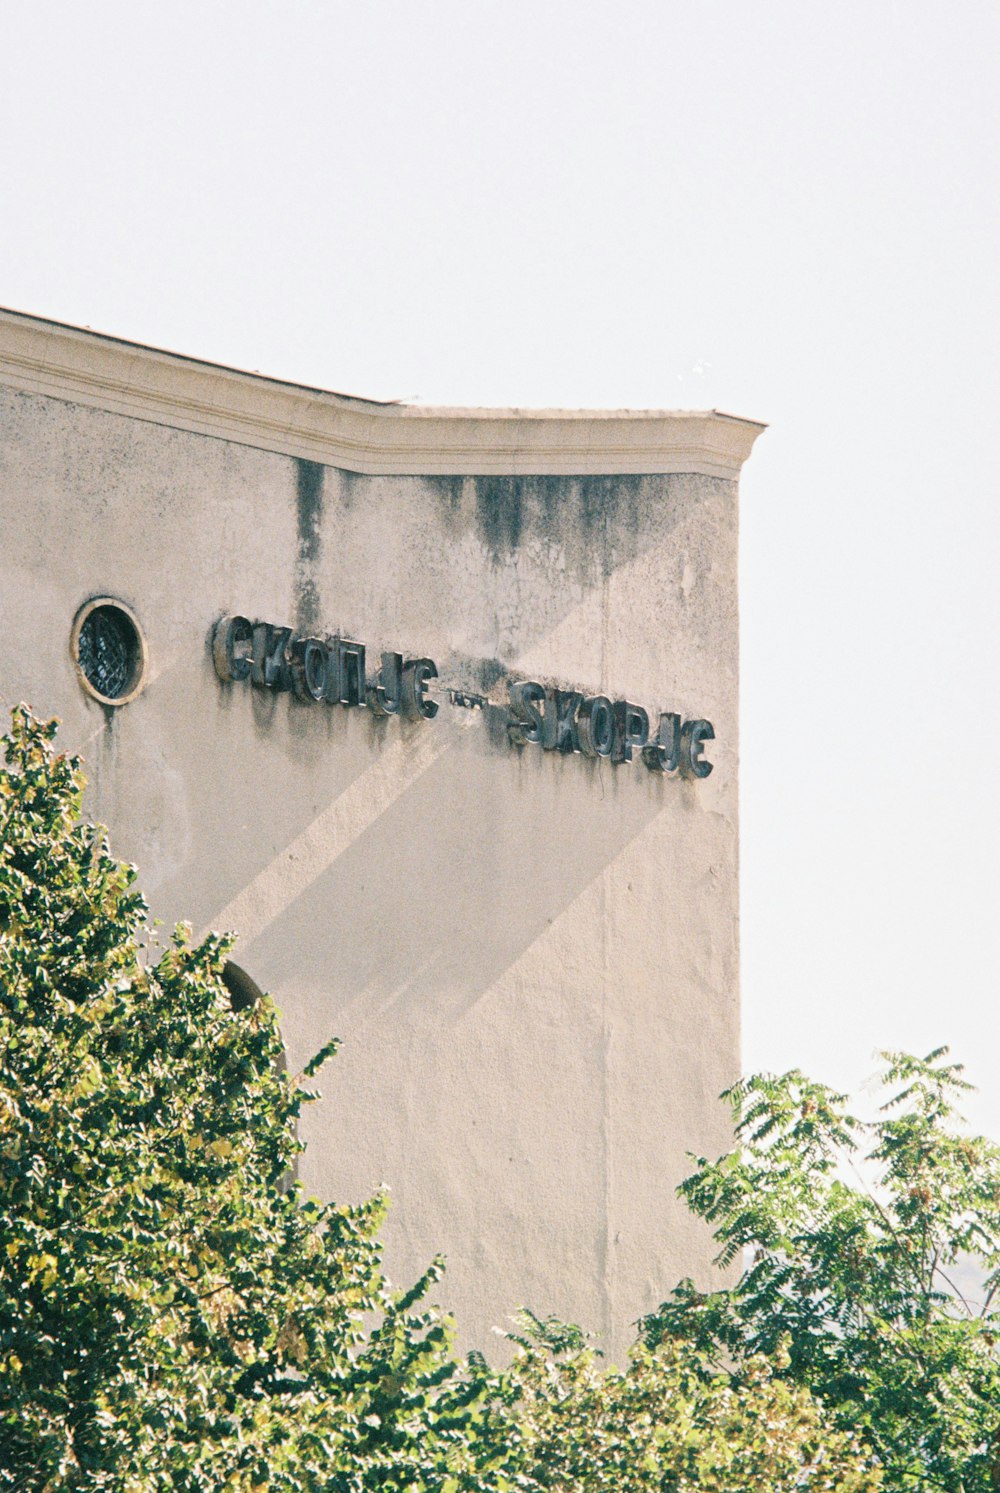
531, 959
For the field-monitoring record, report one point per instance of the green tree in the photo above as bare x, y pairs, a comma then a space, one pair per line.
175, 1315
171, 1314
667, 1423
856, 1238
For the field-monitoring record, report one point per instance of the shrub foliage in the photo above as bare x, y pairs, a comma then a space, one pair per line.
175, 1314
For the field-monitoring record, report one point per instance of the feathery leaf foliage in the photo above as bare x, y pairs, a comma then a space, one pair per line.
871, 1262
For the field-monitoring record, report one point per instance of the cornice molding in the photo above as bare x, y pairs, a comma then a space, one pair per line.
359, 435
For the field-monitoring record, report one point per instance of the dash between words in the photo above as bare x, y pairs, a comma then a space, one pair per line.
334, 670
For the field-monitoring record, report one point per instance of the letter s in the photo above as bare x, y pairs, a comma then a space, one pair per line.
527, 723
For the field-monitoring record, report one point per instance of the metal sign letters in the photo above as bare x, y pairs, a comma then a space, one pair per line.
334, 670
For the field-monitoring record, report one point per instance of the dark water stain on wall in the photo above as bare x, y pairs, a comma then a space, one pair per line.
596, 521
451, 495
309, 514
350, 486
586, 526
500, 504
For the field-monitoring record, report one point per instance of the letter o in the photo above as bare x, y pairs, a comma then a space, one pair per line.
595, 726
310, 661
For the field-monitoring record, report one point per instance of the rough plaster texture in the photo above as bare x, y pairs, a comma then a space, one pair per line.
531, 959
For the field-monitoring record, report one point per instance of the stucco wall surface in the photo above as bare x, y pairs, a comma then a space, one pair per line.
531, 958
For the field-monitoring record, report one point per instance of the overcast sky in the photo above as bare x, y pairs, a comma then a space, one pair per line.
780, 208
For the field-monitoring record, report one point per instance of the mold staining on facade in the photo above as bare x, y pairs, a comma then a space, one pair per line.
447, 775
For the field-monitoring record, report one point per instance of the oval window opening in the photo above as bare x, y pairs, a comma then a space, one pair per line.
109, 650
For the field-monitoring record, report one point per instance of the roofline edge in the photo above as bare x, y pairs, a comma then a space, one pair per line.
39, 356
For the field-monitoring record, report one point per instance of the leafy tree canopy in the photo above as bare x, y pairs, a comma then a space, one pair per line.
858, 1242
176, 1315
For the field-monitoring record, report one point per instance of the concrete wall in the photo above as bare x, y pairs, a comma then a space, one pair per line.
531, 958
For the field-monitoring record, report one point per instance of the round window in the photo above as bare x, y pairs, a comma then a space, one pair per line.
109, 650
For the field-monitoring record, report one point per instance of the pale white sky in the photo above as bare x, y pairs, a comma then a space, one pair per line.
781, 208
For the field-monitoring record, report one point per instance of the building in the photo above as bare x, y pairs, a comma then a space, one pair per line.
438, 710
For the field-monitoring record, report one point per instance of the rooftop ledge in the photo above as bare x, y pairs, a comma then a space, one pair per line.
360, 435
